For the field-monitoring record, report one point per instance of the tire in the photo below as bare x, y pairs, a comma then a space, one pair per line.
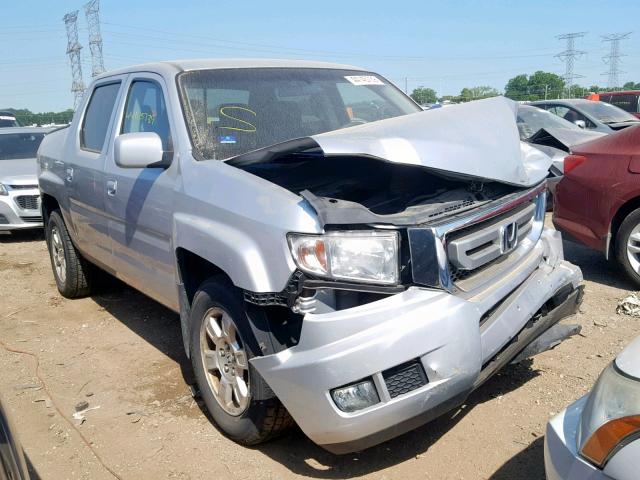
627, 246
249, 414
70, 270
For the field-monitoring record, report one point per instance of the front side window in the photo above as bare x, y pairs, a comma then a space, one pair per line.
15, 146
233, 111
97, 117
146, 111
570, 115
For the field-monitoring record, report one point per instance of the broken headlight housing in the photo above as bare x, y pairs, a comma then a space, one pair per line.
367, 256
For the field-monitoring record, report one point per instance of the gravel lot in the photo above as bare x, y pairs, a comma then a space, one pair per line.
123, 354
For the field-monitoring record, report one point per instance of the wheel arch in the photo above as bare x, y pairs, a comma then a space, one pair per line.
623, 211
48, 204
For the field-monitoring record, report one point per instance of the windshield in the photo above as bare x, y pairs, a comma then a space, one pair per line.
19, 145
531, 119
231, 112
607, 113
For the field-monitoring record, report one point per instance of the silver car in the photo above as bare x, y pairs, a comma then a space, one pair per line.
338, 256
19, 195
598, 437
589, 114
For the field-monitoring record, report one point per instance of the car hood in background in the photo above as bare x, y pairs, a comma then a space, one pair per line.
476, 139
629, 359
567, 136
22, 171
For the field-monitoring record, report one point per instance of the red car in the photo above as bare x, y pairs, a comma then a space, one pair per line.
597, 203
628, 100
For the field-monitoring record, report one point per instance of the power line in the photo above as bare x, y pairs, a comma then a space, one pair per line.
569, 56
613, 59
73, 50
92, 13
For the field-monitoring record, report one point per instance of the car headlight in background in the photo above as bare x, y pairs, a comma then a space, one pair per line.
611, 416
368, 256
3, 190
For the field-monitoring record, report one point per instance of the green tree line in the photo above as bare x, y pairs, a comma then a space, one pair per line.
27, 117
537, 86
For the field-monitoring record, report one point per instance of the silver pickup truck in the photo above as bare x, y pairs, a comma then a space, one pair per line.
338, 257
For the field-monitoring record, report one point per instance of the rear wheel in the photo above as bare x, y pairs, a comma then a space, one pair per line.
70, 270
241, 403
627, 247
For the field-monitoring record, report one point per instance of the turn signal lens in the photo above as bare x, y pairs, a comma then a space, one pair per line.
610, 435
572, 161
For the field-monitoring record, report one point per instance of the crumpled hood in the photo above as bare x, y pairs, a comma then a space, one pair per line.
19, 172
478, 139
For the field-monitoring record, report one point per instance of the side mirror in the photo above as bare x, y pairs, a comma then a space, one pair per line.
138, 150
580, 123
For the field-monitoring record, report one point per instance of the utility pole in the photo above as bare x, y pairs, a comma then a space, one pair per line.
613, 59
92, 13
73, 50
569, 57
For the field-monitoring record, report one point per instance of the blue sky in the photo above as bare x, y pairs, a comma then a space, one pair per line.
445, 45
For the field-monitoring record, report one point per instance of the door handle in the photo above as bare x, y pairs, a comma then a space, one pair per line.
112, 187
69, 175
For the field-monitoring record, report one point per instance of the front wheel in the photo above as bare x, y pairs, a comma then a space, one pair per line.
241, 403
627, 247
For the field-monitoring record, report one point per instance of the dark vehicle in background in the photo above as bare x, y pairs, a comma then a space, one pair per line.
8, 119
628, 100
589, 114
554, 136
598, 201
12, 462
19, 194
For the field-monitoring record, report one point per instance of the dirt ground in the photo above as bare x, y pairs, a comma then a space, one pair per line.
122, 353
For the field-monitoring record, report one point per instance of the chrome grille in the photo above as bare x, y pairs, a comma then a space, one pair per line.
28, 202
472, 250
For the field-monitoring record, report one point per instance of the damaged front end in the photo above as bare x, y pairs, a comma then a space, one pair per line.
431, 271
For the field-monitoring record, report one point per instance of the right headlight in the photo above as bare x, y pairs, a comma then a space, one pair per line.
367, 256
3, 190
611, 416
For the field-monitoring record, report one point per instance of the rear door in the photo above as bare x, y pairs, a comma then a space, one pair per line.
83, 171
139, 201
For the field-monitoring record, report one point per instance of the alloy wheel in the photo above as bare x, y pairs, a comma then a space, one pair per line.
57, 254
225, 361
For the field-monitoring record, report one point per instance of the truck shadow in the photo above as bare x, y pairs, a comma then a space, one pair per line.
595, 267
303, 457
529, 464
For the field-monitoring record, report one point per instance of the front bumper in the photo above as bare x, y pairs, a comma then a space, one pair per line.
561, 459
440, 330
13, 217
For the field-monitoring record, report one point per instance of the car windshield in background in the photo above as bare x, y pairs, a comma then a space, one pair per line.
8, 122
19, 145
607, 113
234, 111
531, 119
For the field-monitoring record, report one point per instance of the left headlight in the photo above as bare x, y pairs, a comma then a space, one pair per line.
3, 190
368, 256
610, 417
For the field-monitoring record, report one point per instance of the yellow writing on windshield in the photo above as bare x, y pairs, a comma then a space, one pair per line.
246, 126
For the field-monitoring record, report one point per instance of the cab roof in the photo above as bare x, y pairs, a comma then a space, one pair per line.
176, 66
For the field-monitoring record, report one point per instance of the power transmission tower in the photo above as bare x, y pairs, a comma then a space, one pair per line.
569, 57
613, 59
73, 50
92, 12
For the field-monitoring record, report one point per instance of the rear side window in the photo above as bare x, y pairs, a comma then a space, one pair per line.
97, 117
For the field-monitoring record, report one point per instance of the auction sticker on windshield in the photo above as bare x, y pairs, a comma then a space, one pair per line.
364, 80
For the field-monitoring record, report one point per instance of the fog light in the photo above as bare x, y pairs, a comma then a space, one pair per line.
355, 397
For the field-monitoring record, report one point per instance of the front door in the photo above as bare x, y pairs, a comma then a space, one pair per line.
139, 201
